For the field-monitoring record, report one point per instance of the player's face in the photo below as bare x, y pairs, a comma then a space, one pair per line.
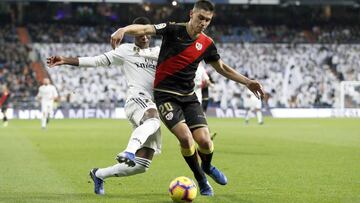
142, 41
46, 81
200, 19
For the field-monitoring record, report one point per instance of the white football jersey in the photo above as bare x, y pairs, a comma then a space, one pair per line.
138, 66
47, 93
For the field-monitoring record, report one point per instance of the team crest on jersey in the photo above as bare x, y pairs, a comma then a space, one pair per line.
198, 46
160, 26
169, 116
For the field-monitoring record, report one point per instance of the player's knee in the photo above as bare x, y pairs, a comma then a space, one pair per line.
186, 140
205, 144
150, 113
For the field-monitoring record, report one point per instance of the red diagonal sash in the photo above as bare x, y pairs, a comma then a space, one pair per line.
180, 61
3, 99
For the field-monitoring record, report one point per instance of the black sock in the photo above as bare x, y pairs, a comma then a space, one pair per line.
193, 163
4, 118
206, 160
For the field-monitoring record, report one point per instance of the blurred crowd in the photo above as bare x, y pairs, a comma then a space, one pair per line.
302, 75
17, 75
63, 33
85, 87
285, 34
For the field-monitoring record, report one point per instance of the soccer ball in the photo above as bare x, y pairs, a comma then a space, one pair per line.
182, 189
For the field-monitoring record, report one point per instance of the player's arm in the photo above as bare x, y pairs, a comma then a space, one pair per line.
60, 60
134, 29
228, 72
101, 60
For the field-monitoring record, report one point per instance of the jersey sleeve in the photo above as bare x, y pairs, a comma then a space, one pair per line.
116, 56
212, 54
164, 29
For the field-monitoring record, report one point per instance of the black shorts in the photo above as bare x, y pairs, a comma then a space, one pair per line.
174, 109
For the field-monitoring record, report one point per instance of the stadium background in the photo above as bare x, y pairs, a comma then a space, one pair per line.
300, 50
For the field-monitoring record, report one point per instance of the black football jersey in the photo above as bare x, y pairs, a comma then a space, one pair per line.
179, 58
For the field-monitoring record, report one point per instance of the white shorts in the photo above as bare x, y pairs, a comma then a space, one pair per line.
47, 107
135, 108
252, 103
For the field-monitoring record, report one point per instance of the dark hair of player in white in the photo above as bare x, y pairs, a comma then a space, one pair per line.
142, 41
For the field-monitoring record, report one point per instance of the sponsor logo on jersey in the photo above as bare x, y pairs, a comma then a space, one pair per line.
145, 65
169, 116
149, 63
198, 46
160, 26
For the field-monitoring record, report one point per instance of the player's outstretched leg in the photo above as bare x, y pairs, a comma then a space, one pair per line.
98, 175
98, 183
205, 151
139, 136
142, 163
183, 134
191, 159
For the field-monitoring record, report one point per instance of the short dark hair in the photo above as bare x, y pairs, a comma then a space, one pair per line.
141, 20
205, 5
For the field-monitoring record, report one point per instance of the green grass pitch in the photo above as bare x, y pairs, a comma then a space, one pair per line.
285, 160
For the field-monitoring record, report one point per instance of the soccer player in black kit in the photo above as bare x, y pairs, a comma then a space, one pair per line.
4, 101
184, 45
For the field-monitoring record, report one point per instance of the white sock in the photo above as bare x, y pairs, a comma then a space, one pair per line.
141, 134
43, 121
121, 170
259, 116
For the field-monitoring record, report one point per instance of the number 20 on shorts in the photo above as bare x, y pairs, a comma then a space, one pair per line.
165, 108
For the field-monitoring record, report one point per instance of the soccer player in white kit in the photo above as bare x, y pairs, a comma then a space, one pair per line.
47, 95
138, 61
252, 104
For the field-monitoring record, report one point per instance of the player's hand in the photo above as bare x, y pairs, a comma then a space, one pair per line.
256, 88
55, 61
117, 37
